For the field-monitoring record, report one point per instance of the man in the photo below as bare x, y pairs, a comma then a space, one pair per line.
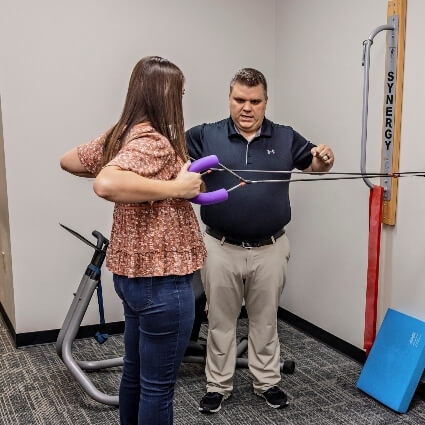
248, 250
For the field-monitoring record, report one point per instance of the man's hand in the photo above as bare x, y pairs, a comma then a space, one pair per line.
323, 159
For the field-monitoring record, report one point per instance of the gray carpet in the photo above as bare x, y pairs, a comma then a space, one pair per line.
36, 388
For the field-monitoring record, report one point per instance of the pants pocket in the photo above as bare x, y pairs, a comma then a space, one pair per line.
117, 285
136, 292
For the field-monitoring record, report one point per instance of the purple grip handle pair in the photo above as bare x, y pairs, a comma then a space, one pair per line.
207, 198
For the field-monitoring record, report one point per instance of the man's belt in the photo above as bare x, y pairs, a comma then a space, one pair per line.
255, 244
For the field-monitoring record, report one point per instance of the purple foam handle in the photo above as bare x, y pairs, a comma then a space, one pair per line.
207, 198
203, 164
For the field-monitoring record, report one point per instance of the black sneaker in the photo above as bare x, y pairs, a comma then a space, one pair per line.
211, 402
274, 397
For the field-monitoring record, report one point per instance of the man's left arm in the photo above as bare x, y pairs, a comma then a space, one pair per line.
309, 157
323, 159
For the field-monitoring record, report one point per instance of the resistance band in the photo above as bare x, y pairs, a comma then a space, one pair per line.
209, 163
374, 246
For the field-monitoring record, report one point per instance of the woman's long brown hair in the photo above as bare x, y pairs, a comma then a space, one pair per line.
154, 96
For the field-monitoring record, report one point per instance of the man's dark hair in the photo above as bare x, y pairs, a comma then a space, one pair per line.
249, 77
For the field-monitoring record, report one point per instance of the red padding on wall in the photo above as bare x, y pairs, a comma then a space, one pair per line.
375, 220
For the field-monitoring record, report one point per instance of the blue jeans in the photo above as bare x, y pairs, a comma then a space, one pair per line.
159, 314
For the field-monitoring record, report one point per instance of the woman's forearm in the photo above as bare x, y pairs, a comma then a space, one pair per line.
118, 185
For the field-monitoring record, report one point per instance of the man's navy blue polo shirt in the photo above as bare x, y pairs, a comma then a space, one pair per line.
255, 211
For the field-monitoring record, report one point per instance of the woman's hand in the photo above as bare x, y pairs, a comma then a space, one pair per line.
188, 184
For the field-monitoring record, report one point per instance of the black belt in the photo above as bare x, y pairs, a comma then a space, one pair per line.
255, 244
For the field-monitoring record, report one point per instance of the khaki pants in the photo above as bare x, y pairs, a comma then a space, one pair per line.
230, 275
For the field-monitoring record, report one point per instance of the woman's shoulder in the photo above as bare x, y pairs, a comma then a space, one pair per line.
144, 131
146, 137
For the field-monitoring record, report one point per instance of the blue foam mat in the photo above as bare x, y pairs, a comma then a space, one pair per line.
396, 361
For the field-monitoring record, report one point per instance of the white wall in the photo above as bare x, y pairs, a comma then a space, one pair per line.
319, 84
64, 70
6, 280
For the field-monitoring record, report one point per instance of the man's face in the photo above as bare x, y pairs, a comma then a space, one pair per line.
247, 107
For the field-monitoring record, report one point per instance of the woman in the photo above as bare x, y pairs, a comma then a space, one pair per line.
156, 245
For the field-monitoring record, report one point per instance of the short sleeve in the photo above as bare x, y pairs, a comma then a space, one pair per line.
194, 138
91, 154
301, 151
146, 156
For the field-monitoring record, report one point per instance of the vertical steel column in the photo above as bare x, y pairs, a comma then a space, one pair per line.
392, 26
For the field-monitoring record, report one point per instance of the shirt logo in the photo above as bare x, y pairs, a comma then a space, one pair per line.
271, 151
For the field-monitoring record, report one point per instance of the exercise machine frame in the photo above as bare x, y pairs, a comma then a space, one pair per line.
195, 352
